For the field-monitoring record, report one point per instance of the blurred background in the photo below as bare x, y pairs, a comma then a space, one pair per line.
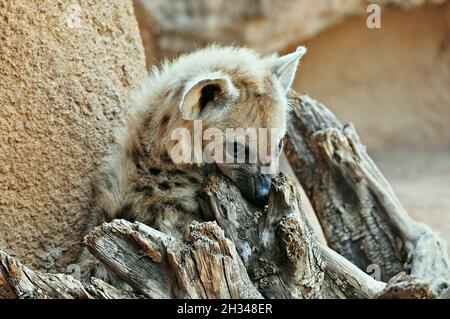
392, 82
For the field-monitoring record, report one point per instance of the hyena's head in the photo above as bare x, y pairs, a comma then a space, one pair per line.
240, 100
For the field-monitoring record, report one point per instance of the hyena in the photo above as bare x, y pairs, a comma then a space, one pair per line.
224, 87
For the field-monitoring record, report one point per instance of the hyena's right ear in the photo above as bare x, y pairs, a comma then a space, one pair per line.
286, 66
204, 90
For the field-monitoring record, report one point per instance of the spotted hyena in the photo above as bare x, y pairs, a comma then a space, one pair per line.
223, 87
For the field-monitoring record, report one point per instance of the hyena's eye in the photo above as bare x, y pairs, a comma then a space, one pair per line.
280, 146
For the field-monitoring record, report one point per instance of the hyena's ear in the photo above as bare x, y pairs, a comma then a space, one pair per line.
203, 90
286, 66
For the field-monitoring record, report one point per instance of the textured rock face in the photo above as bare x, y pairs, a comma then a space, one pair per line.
66, 71
266, 25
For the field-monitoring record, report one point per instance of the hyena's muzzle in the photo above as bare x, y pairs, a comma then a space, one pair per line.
256, 188
253, 183
253, 176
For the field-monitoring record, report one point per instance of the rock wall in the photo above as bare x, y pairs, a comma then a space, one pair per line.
66, 69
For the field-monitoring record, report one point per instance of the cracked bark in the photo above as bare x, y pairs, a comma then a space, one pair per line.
360, 215
18, 281
197, 268
245, 252
279, 248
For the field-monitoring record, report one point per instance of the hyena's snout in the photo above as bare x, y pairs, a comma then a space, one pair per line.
253, 184
256, 189
262, 188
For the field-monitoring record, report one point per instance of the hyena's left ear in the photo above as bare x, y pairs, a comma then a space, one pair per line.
286, 66
203, 90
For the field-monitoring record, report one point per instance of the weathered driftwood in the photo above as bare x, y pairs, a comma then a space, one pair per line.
249, 253
158, 266
361, 216
404, 286
18, 281
279, 248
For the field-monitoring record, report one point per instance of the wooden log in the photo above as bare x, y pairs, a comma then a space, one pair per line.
271, 253
279, 251
159, 266
404, 286
18, 281
282, 255
360, 215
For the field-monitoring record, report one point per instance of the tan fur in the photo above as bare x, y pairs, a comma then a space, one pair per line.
139, 181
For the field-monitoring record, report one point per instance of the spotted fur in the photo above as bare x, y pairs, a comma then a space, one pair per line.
139, 181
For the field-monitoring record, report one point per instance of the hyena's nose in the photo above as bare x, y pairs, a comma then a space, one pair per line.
262, 189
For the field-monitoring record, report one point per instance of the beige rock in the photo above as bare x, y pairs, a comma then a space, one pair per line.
66, 71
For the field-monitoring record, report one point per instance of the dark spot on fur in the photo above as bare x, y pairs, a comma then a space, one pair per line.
154, 170
126, 212
146, 190
209, 170
136, 157
164, 185
179, 184
165, 120
156, 208
104, 213
193, 180
171, 202
166, 158
180, 207
177, 172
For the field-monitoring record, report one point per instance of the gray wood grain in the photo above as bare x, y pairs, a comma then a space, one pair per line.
360, 215
282, 254
19, 281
